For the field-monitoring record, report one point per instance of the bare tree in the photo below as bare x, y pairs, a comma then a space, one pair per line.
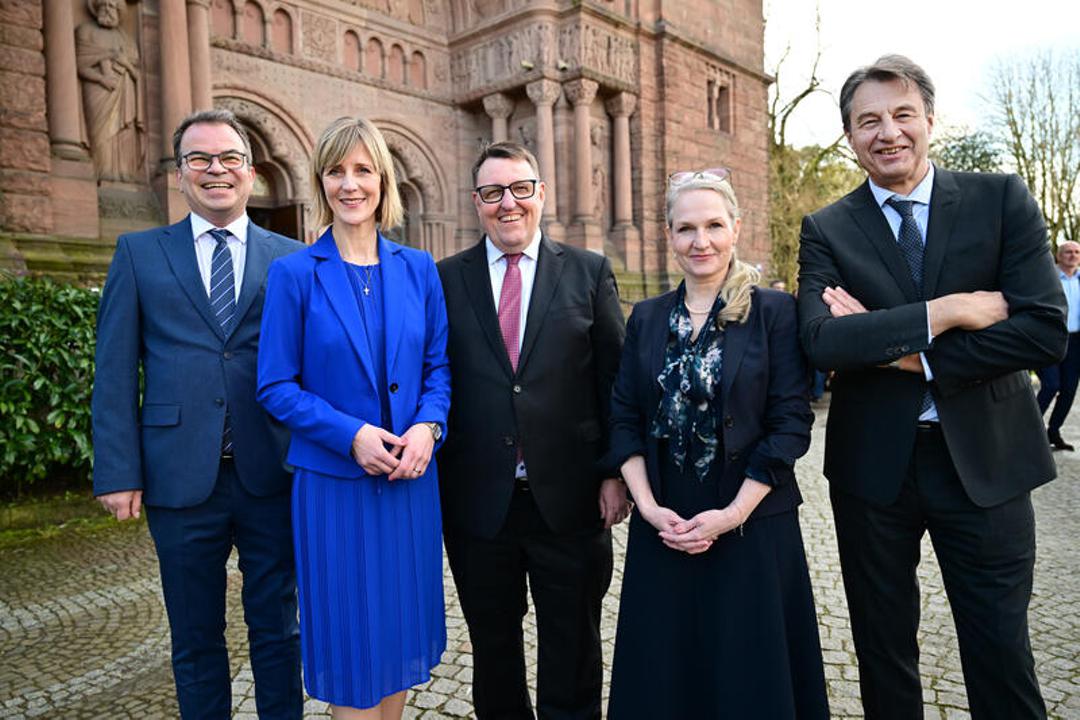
1037, 117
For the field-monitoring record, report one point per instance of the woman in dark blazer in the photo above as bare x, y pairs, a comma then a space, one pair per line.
352, 359
709, 413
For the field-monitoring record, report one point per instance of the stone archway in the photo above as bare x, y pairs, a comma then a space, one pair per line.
282, 156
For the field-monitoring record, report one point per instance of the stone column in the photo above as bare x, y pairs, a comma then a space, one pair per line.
624, 235
175, 99
62, 82
585, 230
198, 16
543, 94
499, 107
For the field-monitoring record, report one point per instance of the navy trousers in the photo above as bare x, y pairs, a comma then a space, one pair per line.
1060, 380
193, 545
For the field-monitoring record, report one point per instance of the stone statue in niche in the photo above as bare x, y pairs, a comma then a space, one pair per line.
108, 66
598, 140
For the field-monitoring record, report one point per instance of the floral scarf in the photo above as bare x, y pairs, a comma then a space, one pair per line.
690, 381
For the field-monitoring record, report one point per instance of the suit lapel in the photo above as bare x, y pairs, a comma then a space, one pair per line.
871, 221
393, 287
657, 341
944, 209
549, 269
477, 281
735, 339
178, 244
331, 274
256, 262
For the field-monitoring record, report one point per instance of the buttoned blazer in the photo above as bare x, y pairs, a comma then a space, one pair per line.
316, 371
762, 403
155, 316
555, 406
985, 233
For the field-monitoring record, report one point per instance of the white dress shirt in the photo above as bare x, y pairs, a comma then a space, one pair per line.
1071, 285
205, 244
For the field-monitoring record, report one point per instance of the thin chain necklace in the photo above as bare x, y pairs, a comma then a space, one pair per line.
365, 284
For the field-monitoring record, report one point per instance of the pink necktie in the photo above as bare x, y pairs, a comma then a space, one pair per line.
510, 309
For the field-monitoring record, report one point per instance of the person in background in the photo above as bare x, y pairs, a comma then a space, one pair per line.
353, 361
709, 414
1060, 380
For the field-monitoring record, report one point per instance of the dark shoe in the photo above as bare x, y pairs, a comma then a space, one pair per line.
1057, 442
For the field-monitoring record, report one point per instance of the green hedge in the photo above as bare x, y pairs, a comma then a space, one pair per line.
46, 378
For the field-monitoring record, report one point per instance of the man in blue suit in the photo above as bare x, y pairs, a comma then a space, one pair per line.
183, 304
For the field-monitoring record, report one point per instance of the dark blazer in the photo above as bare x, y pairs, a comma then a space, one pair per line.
556, 405
316, 373
764, 397
985, 233
155, 314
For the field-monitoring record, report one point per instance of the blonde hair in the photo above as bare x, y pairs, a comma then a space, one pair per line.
737, 290
335, 143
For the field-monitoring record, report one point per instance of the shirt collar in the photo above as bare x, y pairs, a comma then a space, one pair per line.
532, 250
921, 193
238, 227
1064, 275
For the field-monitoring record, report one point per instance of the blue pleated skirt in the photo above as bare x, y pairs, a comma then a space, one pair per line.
369, 573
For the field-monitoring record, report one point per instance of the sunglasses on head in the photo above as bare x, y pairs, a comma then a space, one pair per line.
716, 173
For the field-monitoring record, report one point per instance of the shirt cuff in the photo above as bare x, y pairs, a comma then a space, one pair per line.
927, 372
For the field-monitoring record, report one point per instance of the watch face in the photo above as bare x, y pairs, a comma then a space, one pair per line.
436, 430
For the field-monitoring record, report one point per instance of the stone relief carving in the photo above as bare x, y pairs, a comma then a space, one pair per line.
108, 66
319, 37
502, 57
596, 48
599, 141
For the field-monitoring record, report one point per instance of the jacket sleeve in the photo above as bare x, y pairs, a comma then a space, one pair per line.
435, 394
607, 334
628, 416
788, 418
115, 402
1035, 334
854, 341
281, 349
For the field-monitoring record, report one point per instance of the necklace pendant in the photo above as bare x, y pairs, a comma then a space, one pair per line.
367, 291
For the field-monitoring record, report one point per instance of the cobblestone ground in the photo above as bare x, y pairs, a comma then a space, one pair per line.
83, 632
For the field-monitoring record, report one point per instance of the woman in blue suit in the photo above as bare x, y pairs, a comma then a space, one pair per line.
709, 412
352, 359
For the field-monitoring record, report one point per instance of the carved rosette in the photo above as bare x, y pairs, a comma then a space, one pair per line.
581, 92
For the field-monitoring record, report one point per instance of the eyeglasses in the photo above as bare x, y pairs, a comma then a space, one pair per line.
716, 173
522, 190
230, 160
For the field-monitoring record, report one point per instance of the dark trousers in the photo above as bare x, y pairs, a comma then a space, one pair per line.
193, 545
567, 576
1060, 380
986, 555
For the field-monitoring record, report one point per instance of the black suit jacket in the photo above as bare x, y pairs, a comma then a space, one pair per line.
985, 233
764, 407
555, 406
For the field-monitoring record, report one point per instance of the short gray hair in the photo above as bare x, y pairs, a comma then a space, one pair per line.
217, 116
885, 68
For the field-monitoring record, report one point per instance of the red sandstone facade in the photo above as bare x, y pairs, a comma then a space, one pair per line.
612, 96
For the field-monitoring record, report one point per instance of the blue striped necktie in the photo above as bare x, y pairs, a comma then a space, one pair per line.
909, 239
223, 303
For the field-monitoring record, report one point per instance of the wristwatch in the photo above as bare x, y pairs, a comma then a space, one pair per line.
436, 430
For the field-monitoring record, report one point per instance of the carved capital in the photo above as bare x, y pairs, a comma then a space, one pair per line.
205, 4
498, 105
621, 105
581, 92
543, 92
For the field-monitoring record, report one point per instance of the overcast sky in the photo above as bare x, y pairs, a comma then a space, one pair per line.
955, 41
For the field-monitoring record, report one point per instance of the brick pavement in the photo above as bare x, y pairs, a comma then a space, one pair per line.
83, 631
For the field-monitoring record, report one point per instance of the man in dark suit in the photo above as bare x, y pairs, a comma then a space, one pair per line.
183, 305
535, 335
1060, 381
930, 293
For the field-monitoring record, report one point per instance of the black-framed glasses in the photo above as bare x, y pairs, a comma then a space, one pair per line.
230, 160
716, 173
520, 189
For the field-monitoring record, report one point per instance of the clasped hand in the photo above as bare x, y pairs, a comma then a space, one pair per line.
697, 534
380, 452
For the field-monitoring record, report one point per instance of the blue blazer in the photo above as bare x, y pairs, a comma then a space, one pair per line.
316, 373
155, 314
763, 401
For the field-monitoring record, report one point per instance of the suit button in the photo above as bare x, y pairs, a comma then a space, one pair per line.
507, 440
729, 422
904, 349
393, 387
733, 455
517, 388
227, 354
219, 401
